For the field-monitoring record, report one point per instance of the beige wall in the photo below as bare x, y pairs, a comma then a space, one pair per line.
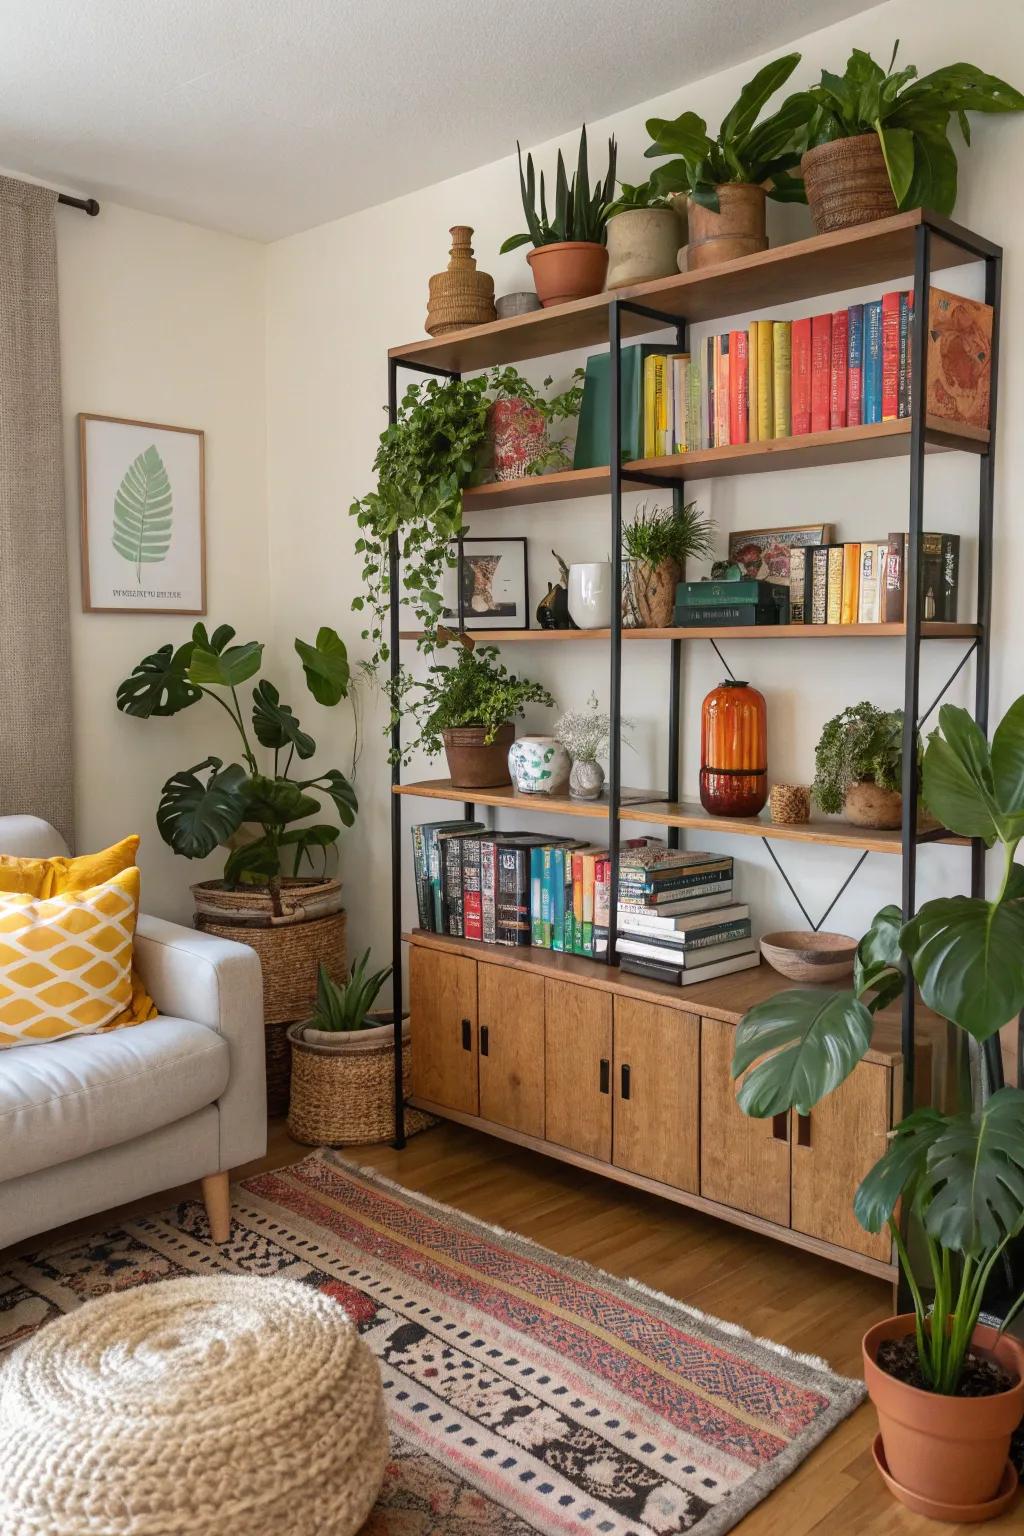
162, 321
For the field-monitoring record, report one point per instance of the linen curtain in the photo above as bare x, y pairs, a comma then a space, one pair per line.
35, 648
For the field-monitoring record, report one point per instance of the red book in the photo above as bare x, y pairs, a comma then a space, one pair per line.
855, 369
739, 387
890, 356
821, 371
800, 381
837, 383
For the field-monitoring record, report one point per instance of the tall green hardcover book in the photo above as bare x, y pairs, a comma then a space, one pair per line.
592, 438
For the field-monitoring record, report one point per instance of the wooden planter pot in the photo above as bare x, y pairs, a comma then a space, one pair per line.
738, 229
847, 183
570, 269
474, 763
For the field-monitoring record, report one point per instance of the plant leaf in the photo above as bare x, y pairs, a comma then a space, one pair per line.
275, 723
965, 953
337, 787
143, 511
898, 150
811, 1041
325, 664
879, 963
227, 668
957, 782
973, 1187
899, 1169
253, 864
686, 135
274, 802
935, 173
742, 116
159, 684
1007, 757
193, 817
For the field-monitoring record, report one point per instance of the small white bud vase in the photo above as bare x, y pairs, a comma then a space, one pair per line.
586, 781
539, 765
590, 594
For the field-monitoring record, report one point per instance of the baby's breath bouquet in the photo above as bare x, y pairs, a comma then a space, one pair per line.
585, 733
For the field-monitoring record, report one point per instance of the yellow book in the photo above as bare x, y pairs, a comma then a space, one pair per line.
834, 610
754, 432
781, 376
851, 584
661, 404
765, 377
650, 409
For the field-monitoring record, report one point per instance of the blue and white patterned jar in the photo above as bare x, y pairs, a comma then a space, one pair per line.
539, 765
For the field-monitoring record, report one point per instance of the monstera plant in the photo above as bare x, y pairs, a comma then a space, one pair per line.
262, 810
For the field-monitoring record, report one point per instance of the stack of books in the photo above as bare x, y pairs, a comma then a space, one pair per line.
711, 604
864, 583
677, 919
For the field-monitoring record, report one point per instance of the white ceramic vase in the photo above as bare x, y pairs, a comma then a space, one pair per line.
539, 765
586, 781
590, 594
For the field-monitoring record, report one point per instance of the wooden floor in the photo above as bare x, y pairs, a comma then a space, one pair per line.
780, 1293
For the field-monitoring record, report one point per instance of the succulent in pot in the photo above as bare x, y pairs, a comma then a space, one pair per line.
569, 259
949, 1392
644, 235
858, 766
657, 545
343, 1013
727, 177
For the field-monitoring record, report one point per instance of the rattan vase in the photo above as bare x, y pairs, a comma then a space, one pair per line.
462, 296
343, 1090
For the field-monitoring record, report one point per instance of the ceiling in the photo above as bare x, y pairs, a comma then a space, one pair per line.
265, 117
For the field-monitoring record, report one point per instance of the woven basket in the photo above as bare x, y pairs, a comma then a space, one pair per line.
290, 958
344, 1095
847, 183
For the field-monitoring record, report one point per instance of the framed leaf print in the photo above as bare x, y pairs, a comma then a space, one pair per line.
143, 517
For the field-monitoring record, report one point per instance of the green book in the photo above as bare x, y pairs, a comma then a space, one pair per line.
592, 437
710, 594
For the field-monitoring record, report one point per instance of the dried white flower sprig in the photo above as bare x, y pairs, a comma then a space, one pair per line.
584, 733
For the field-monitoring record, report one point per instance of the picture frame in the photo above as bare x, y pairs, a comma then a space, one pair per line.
143, 516
774, 545
496, 588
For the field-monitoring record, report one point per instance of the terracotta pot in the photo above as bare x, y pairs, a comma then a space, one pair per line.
847, 183
516, 435
950, 1450
571, 269
867, 805
474, 763
649, 602
643, 243
738, 229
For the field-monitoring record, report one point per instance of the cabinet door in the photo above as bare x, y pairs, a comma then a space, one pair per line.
578, 1068
442, 1007
657, 1087
833, 1148
511, 1019
743, 1163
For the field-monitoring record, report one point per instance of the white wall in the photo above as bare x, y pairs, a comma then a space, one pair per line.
164, 322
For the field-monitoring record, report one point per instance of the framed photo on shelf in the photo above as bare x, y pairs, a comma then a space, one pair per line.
763, 553
143, 509
495, 585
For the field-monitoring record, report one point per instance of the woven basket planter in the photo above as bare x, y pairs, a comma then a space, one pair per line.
343, 1093
847, 183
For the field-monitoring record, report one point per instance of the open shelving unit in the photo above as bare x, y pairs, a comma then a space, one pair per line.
916, 242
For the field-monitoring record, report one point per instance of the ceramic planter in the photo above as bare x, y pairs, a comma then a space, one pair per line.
516, 435
570, 269
945, 1455
847, 183
474, 763
590, 594
586, 781
643, 243
539, 765
649, 595
738, 229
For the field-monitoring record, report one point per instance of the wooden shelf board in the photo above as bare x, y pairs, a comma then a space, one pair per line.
811, 450
931, 630
828, 831
508, 795
850, 258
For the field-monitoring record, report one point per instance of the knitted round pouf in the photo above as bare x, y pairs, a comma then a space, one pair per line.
189, 1408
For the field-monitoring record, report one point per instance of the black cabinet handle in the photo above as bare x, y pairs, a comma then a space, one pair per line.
485, 1040
467, 1035
605, 1077
625, 1081
803, 1130
780, 1127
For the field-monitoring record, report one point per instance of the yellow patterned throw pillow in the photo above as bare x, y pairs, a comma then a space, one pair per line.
66, 961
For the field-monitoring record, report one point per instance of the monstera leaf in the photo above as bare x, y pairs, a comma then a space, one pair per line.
966, 957
900, 1170
305, 839
159, 685
143, 511
219, 664
879, 963
974, 790
326, 666
275, 802
253, 864
340, 791
810, 1040
193, 817
275, 723
972, 1189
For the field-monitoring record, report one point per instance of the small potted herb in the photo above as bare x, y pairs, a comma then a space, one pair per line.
644, 235
658, 544
519, 424
469, 709
878, 140
726, 177
569, 258
343, 1062
858, 766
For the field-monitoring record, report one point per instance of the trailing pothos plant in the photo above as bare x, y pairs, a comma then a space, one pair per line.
212, 803
962, 1175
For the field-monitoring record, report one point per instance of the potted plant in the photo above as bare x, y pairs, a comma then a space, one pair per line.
644, 235
469, 709
343, 1063
878, 140
858, 766
657, 545
949, 1393
259, 811
569, 258
585, 733
519, 423
726, 177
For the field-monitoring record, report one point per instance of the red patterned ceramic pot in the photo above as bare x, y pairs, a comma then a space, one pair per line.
517, 434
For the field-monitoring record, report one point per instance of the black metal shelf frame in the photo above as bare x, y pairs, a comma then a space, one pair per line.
977, 247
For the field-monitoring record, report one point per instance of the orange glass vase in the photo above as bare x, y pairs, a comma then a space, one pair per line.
733, 751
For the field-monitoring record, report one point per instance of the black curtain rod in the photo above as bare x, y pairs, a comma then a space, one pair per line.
88, 205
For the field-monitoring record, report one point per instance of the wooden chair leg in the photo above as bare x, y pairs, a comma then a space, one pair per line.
217, 1199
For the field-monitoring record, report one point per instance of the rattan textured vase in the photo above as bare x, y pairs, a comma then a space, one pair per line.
462, 296
343, 1091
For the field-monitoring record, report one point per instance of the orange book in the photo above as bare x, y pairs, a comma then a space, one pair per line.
851, 584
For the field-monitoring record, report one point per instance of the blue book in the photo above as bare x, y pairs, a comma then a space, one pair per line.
536, 898
873, 361
558, 898
855, 366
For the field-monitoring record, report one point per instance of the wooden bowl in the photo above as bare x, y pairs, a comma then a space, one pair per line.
805, 956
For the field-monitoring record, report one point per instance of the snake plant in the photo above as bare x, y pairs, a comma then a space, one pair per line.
579, 214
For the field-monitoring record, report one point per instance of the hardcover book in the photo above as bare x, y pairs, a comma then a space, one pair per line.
892, 586
782, 334
819, 585
592, 438
890, 356
800, 389
869, 610
670, 906
851, 584
959, 358
739, 387
904, 392
801, 579
748, 590
753, 428
681, 976
840, 357
872, 411
834, 601
694, 616
714, 919
821, 371
692, 957
472, 907
854, 371
765, 392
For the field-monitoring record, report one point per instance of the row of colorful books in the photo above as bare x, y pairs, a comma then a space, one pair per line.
862, 583
678, 920
781, 378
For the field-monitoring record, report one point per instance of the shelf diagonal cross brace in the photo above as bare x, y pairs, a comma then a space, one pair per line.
947, 685
815, 926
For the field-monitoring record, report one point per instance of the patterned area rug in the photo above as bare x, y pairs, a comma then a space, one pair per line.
526, 1392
